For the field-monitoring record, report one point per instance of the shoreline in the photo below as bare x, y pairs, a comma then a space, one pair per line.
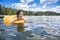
1, 16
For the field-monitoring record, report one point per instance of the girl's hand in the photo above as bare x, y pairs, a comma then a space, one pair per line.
12, 21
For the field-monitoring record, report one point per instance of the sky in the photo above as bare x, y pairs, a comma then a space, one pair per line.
33, 5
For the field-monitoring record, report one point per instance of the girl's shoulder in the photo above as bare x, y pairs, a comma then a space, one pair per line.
15, 18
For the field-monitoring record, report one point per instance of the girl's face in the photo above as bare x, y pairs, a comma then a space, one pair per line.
20, 14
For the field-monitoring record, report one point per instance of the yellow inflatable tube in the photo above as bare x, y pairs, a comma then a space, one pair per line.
8, 19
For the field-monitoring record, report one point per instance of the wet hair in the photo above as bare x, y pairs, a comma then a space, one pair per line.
18, 12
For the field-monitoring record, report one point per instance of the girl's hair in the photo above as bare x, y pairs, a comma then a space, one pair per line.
18, 12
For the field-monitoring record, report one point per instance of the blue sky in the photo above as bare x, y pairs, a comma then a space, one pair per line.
33, 5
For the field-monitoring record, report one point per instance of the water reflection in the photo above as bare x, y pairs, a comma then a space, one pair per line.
37, 27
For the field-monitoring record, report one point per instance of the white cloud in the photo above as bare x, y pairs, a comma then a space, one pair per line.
34, 4
44, 6
45, 2
34, 8
23, 6
27, 8
26, 1
48, 1
55, 9
19, 5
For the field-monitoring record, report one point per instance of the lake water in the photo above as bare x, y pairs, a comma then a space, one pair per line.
36, 28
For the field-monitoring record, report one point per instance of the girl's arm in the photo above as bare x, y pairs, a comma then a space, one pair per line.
24, 20
12, 21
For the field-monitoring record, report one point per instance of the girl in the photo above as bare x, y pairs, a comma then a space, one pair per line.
19, 17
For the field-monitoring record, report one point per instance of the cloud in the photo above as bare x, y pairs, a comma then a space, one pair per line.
29, 7
34, 4
55, 9
44, 6
26, 1
19, 5
48, 1
24, 6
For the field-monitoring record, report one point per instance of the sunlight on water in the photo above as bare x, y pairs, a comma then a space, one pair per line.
36, 27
